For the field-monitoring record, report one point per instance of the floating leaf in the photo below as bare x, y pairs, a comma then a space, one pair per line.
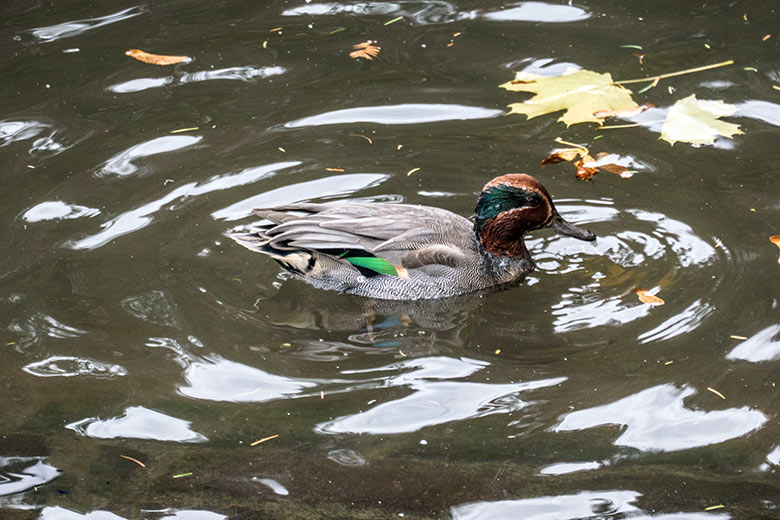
645, 297
775, 239
588, 166
581, 93
692, 120
585, 168
156, 59
564, 155
366, 50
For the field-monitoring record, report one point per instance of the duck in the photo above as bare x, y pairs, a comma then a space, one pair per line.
390, 251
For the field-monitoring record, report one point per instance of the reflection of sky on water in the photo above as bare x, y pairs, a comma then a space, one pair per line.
142, 216
123, 163
594, 505
78, 27
138, 423
762, 346
180, 514
438, 11
408, 114
564, 468
656, 419
245, 73
58, 210
70, 366
648, 237
432, 402
331, 186
436, 403
587, 504
217, 379
21, 474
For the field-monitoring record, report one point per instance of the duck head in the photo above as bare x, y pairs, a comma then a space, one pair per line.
512, 205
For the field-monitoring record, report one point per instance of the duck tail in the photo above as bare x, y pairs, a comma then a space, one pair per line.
297, 261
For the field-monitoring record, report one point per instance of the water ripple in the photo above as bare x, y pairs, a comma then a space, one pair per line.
140, 217
274, 485
327, 187
406, 114
138, 423
654, 239
58, 210
38, 326
151, 307
762, 346
21, 474
46, 139
245, 73
344, 457
70, 366
122, 164
436, 403
78, 27
656, 419
60, 513
439, 12
215, 378
586, 504
180, 514
564, 468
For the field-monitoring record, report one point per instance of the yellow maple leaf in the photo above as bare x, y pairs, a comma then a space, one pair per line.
586, 96
695, 121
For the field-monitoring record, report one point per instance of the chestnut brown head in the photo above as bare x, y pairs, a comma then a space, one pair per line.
512, 205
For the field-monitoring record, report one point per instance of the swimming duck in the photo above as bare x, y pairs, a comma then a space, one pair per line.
410, 252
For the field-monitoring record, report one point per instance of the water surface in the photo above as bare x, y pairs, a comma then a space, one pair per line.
135, 332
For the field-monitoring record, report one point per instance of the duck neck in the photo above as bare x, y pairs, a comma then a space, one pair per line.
502, 237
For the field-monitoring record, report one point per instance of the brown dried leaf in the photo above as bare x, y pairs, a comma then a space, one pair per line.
564, 154
156, 59
603, 161
585, 168
366, 50
775, 239
645, 297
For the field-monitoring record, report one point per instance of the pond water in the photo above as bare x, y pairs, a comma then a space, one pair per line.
135, 332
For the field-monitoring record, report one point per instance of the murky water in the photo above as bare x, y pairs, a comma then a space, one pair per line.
134, 331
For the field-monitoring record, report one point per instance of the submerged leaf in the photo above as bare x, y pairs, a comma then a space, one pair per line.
645, 297
156, 59
366, 50
585, 96
695, 121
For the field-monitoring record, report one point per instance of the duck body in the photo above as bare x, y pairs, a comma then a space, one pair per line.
410, 252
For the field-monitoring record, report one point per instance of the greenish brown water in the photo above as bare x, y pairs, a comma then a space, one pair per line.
132, 327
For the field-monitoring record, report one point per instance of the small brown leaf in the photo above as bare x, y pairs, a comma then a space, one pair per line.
585, 168
366, 50
645, 297
564, 154
775, 239
156, 59
608, 161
